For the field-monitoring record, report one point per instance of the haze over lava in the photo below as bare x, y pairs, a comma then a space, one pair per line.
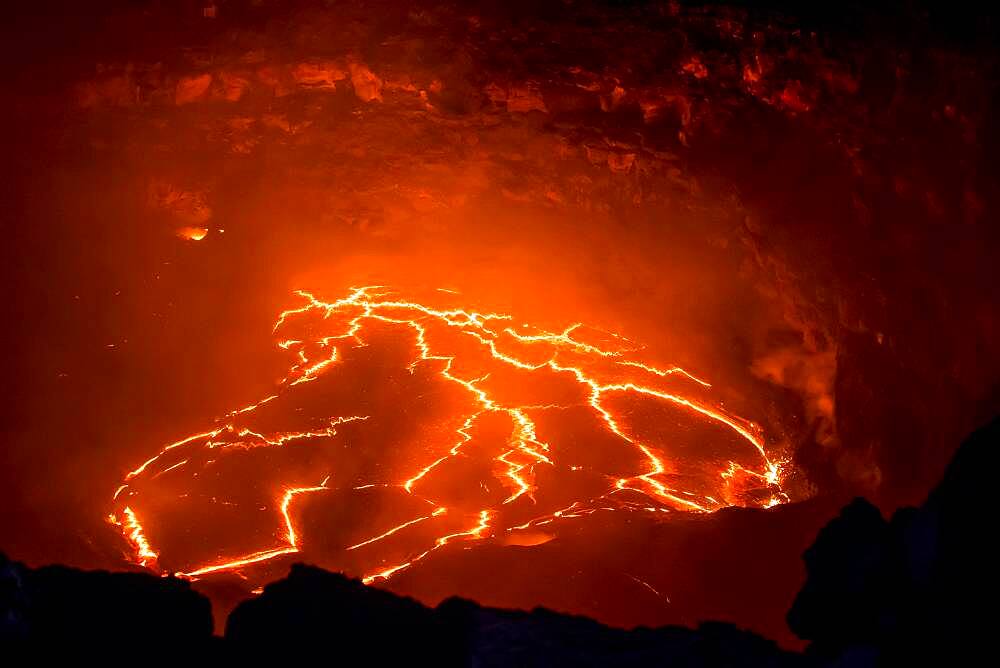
408, 425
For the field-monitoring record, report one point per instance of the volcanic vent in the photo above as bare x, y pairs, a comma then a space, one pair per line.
408, 425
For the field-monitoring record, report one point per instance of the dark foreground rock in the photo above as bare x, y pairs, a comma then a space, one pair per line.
56, 606
312, 610
912, 589
907, 591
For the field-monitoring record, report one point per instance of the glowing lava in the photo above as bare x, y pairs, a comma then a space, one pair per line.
402, 428
192, 233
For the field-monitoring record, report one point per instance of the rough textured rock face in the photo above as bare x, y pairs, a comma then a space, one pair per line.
839, 177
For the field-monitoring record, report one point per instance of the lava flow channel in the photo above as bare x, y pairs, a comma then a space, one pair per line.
402, 428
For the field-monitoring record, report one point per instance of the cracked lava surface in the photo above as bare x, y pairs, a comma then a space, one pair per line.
405, 427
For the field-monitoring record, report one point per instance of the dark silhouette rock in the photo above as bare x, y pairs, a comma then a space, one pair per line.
54, 605
912, 589
545, 638
841, 601
312, 609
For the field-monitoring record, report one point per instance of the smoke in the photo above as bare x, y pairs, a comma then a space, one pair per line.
812, 376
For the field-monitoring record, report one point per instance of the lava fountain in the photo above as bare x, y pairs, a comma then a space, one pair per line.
405, 426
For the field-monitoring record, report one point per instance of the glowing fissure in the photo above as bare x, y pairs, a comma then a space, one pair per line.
562, 353
135, 535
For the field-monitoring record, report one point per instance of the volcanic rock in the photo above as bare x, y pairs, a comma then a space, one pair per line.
312, 610
318, 74
910, 588
192, 88
56, 605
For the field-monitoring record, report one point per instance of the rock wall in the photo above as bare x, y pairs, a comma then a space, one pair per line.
841, 158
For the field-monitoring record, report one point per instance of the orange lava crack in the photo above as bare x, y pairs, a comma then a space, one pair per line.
566, 356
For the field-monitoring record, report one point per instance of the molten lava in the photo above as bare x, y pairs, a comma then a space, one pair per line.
402, 428
192, 233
